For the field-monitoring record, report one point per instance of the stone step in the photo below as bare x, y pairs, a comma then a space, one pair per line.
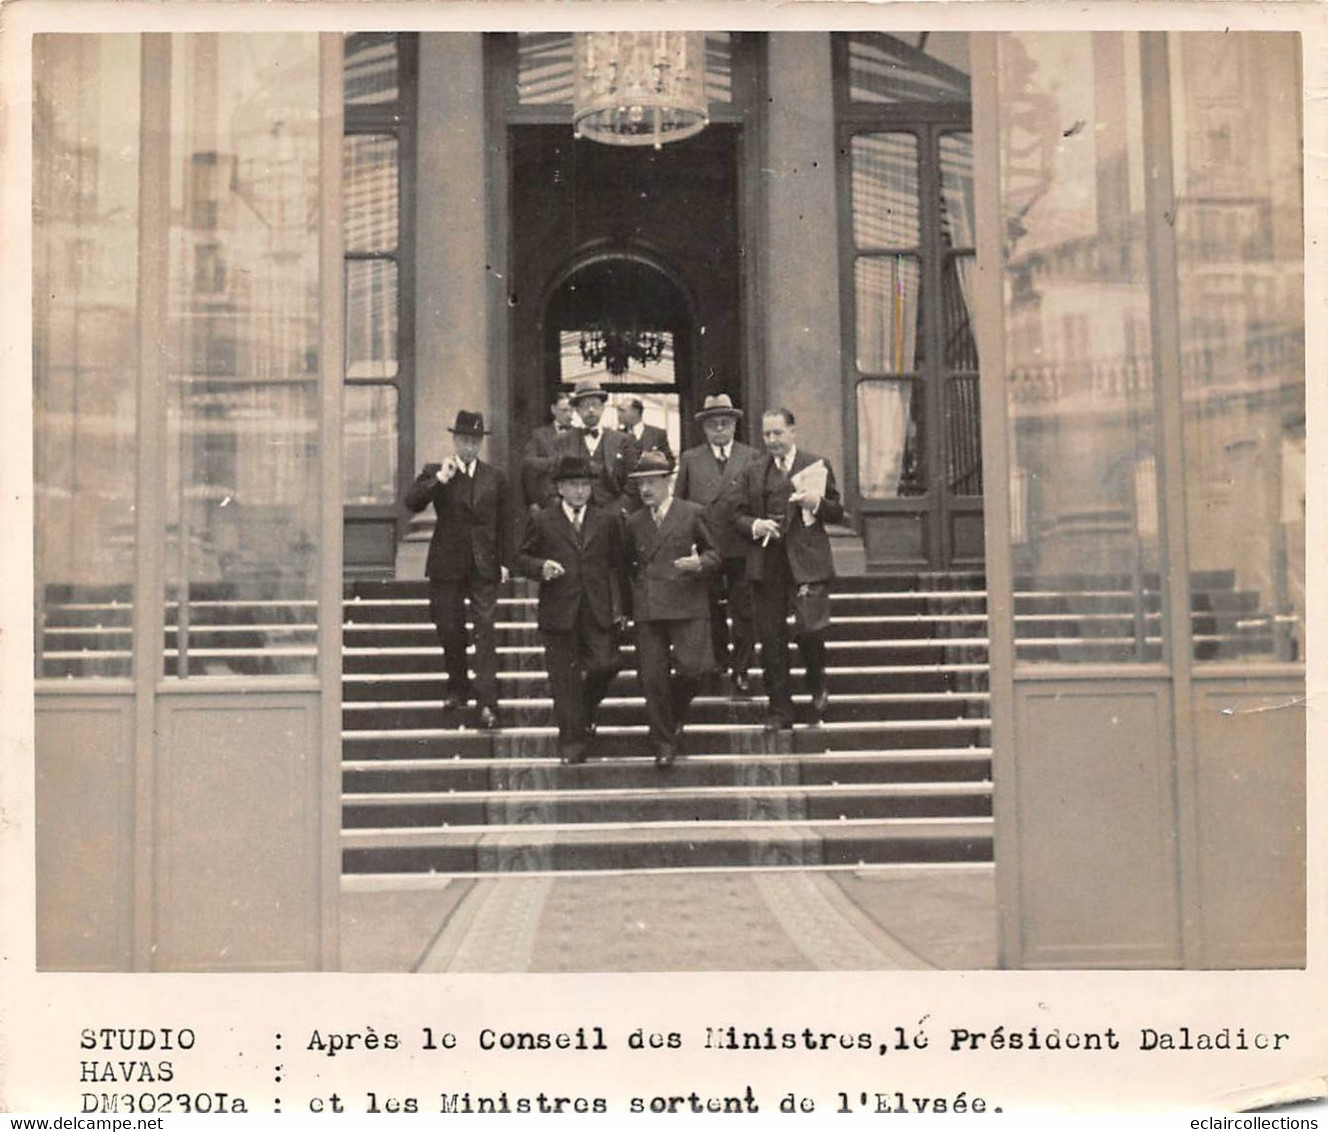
662, 803
633, 741
526, 658
440, 774
663, 845
386, 686
536, 711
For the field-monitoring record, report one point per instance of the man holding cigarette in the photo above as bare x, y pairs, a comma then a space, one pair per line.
467, 561
783, 501
575, 552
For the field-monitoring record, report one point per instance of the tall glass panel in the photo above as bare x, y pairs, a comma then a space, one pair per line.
85, 350
1078, 358
242, 394
1236, 117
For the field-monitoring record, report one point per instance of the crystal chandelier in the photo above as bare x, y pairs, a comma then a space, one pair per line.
617, 346
639, 87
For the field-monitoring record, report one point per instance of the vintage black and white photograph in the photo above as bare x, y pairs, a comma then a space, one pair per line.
523, 500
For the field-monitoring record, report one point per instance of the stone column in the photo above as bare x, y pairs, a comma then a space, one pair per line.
803, 368
451, 329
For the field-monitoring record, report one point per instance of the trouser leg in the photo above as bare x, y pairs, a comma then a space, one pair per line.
771, 596
565, 681
742, 634
652, 659
692, 660
447, 609
719, 620
484, 612
812, 648
600, 661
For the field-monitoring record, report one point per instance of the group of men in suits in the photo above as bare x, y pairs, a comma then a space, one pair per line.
610, 536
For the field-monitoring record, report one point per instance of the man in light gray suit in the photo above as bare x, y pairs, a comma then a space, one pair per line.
706, 475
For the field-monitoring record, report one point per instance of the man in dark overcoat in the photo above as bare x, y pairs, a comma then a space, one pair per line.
788, 561
631, 419
706, 475
574, 551
541, 453
669, 552
468, 557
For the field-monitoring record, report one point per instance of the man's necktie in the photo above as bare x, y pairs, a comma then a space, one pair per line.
576, 518
722, 458
654, 514
593, 433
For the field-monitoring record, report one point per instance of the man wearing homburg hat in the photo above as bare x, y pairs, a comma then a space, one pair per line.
783, 501
612, 453
467, 561
669, 552
575, 552
706, 475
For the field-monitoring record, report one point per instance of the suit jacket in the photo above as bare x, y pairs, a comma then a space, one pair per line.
591, 560
537, 460
763, 492
701, 481
659, 590
652, 436
616, 456
472, 536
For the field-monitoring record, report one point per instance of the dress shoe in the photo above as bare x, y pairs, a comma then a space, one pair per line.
778, 723
820, 701
664, 756
742, 686
574, 754
452, 702
488, 718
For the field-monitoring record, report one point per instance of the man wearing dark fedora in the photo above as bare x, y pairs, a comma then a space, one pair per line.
707, 474
669, 552
467, 561
611, 452
574, 551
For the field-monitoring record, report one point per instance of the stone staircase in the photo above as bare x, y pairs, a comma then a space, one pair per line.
899, 771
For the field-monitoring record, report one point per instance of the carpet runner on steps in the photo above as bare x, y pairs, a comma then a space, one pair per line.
899, 772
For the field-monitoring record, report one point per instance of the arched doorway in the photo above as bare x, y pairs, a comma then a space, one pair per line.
627, 322
642, 238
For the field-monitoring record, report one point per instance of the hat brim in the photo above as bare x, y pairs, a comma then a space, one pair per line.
599, 394
706, 414
649, 475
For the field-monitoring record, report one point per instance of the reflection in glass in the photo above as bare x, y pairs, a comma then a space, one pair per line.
885, 191
1239, 234
958, 205
960, 348
890, 440
371, 202
371, 318
242, 402
371, 68
369, 460
916, 67
889, 314
963, 435
1078, 364
85, 350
